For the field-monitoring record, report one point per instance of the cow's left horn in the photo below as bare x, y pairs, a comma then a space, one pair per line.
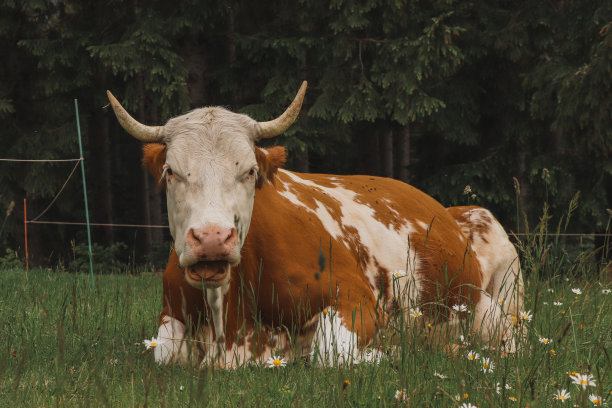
279, 125
141, 132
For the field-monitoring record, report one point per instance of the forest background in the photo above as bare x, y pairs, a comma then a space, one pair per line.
440, 94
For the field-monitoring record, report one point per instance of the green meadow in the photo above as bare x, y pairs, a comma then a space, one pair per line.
62, 344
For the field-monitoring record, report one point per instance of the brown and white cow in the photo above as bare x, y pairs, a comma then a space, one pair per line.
267, 259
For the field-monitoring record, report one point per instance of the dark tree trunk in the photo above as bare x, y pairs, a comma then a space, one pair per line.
98, 166
144, 175
301, 160
403, 154
369, 153
386, 142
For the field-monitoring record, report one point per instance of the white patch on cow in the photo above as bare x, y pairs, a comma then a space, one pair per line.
331, 225
498, 260
173, 348
422, 225
214, 297
501, 276
387, 246
334, 344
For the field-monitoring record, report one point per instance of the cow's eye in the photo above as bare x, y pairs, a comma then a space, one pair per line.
252, 172
169, 171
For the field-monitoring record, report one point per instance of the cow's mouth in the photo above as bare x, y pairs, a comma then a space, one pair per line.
212, 273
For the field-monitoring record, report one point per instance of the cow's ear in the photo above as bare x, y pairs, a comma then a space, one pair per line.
269, 161
154, 158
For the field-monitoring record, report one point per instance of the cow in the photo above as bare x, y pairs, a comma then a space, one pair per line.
268, 261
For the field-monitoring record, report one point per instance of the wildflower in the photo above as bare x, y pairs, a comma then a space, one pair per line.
472, 355
181, 388
508, 386
595, 399
439, 375
400, 395
513, 399
398, 273
606, 291
276, 361
583, 380
552, 352
526, 315
460, 308
415, 312
487, 365
345, 384
500, 302
467, 405
561, 395
154, 342
577, 291
113, 361
467, 190
545, 340
551, 290
558, 303
463, 340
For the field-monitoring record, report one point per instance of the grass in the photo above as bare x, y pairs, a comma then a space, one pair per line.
63, 345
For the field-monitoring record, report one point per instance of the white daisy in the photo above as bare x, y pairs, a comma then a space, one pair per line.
596, 400
275, 361
460, 308
415, 312
583, 380
400, 395
545, 340
154, 342
561, 395
463, 340
467, 405
487, 365
398, 273
526, 315
472, 355
558, 303
577, 291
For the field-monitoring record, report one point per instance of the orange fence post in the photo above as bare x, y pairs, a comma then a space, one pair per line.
25, 229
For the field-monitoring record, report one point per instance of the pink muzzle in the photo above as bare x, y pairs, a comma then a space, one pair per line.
212, 243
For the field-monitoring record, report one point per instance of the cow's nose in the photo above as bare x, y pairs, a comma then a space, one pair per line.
212, 243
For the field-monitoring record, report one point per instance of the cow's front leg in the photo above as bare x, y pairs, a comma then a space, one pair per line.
172, 347
215, 354
336, 339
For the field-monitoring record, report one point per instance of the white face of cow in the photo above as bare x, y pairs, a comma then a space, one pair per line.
210, 173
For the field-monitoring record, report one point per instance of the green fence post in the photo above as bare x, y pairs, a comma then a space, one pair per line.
76, 109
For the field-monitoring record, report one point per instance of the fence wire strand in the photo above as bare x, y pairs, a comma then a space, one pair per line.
58, 194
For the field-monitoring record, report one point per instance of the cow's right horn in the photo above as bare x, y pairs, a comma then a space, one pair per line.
277, 126
141, 132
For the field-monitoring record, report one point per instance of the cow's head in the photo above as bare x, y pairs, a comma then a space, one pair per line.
210, 166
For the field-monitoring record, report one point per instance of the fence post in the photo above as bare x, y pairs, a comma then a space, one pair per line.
25, 230
76, 110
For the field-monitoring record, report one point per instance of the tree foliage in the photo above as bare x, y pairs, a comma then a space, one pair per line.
485, 91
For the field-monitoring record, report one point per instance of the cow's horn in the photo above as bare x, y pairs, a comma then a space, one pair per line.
141, 132
279, 125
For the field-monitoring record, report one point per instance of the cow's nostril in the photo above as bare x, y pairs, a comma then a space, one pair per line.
233, 235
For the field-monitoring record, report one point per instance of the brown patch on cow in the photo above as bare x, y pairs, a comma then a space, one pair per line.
383, 282
154, 158
472, 225
269, 163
